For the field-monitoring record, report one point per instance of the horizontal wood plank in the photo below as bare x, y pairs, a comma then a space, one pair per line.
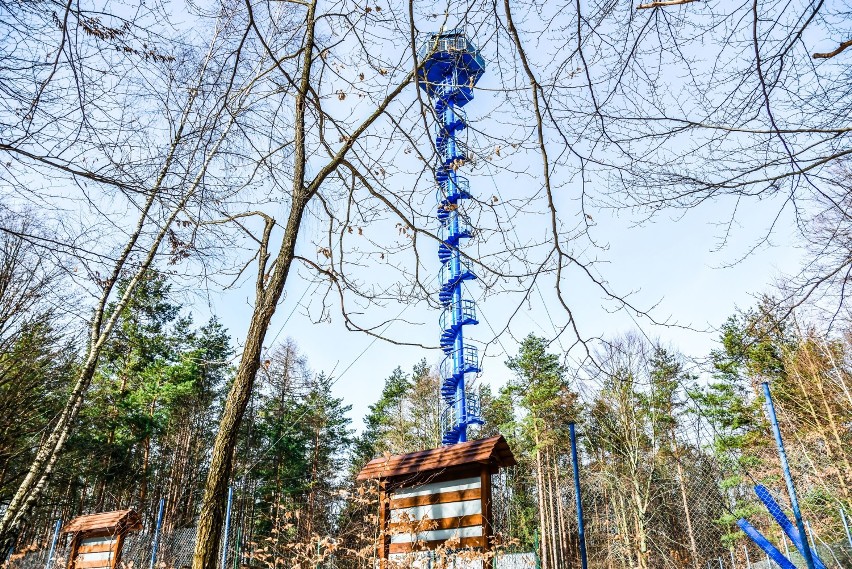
81, 564
441, 498
426, 545
97, 547
442, 523
438, 486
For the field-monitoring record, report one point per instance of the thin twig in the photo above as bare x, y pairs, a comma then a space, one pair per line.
664, 3
831, 54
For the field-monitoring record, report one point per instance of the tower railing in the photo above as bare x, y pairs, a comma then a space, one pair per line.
448, 152
451, 66
469, 363
450, 418
450, 235
452, 191
450, 278
449, 42
450, 118
468, 314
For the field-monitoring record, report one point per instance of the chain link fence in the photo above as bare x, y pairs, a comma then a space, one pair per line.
174, 552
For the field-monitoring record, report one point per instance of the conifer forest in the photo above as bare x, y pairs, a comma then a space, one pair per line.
220, 297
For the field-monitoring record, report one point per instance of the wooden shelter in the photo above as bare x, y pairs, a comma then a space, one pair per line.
98, 538
429, 497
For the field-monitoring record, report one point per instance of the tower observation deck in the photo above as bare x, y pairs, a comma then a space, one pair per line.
451, 66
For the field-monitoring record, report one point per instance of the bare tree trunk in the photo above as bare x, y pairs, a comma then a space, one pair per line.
693, 548
552, 512
271, 280
563, 529
542, 511
625, 529
607, 508
269, 288
641, 530
817, 377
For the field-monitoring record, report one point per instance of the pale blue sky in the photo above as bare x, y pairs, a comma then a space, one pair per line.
672, 264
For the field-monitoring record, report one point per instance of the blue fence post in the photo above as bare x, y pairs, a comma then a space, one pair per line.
846, 526
53, 544
788, 478
227, 527
580, 529
156, 543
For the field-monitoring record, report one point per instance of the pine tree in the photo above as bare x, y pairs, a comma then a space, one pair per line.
547, 406
148, 420
382, 432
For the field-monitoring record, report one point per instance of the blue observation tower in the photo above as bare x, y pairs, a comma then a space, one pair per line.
450, 67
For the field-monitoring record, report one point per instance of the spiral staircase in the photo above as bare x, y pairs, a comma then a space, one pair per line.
450, 67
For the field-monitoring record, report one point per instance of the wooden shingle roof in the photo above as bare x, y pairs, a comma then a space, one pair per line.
115, 522
493, 451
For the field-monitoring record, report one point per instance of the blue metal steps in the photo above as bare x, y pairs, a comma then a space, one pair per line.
450, 67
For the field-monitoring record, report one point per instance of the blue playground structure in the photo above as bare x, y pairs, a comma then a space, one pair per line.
450, 67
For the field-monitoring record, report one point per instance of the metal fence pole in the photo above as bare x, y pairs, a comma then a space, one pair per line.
810, 534
238, 552
748, 561
580, 529
846, 526
733, 561
788, 478
156, 543
53, 544
721, 565
227, 527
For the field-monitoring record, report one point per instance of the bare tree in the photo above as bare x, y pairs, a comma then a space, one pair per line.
191, 104
823, 282
300, 139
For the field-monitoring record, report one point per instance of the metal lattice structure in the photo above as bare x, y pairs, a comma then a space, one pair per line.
450, 67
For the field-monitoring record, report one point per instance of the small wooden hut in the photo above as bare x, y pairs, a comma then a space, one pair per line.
98, 538
448, 487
